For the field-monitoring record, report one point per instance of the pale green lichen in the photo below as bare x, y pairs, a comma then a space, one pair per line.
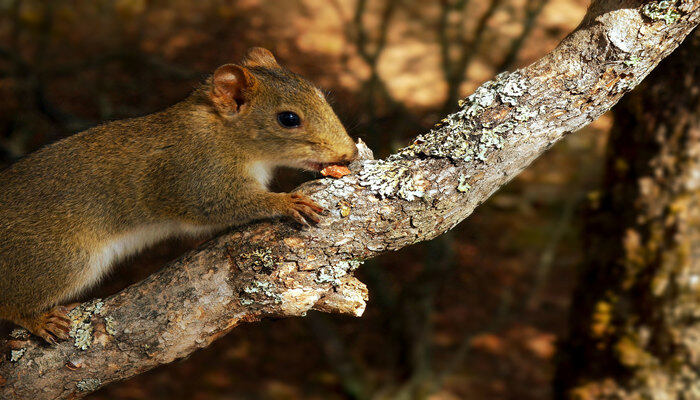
332, 273
110, 326
354, 264
262, 259
82, 333
15, 355
463, 184
262, 288
664, 10
88, 384
631, 61
511, 90
20, 333
92, 307
488, 139
524, 113
466, 136
81, 323
392, 178
470, 134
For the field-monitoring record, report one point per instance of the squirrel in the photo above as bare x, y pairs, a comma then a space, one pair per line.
70, 210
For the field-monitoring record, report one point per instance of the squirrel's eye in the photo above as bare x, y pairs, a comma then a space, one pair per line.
288, 119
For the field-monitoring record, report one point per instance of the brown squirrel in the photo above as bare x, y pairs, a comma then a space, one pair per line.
71, 209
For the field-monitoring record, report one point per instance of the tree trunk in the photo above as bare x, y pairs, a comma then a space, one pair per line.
635, 326
269, 269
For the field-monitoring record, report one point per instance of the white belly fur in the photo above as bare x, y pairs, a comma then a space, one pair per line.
132, 242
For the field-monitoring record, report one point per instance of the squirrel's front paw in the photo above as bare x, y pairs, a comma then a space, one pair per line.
51, 326
301, 208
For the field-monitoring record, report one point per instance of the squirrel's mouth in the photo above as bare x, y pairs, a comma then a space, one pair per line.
317, 166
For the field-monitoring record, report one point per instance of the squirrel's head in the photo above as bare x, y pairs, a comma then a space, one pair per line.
280, 113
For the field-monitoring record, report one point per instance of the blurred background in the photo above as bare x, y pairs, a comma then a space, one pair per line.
474, 314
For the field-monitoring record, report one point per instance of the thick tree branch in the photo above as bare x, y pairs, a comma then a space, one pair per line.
271, 269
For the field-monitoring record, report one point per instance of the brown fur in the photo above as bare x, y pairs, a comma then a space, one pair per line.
188, 166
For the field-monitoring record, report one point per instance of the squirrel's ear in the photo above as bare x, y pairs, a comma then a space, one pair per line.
230, 85
260, 57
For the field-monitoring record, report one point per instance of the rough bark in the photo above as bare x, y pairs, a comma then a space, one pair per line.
636, 331
271, 269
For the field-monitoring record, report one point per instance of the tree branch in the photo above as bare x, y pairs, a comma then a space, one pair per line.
270, 269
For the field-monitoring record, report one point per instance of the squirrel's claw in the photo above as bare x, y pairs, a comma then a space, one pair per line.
305, 200
52, 326
295, 215
302, 209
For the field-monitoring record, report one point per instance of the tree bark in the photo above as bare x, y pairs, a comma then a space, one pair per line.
636, 329
271, 269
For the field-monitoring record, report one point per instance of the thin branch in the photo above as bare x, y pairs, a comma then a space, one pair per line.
533, 10
455, 69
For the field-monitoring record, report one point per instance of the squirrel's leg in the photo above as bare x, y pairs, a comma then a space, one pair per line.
245, 206
52, 325
262, 204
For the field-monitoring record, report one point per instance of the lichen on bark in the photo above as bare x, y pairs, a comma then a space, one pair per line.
635, 326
